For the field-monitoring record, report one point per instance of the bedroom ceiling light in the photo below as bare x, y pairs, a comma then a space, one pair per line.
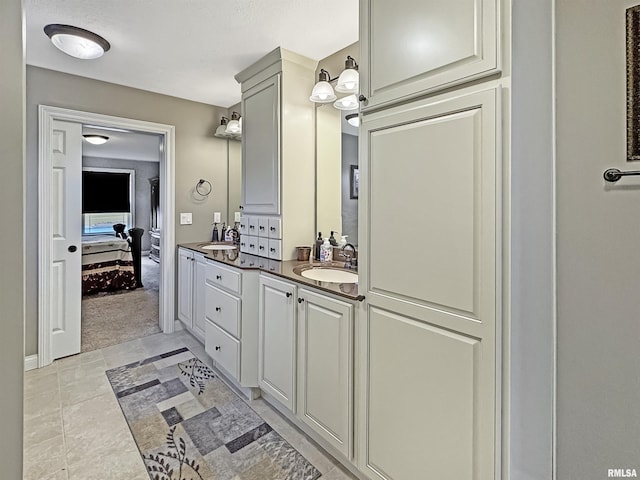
96, 139
77, 42
353, 119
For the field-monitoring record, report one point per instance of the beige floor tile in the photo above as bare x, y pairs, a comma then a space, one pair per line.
161, 343
59, 475
46, 402
82, 390
78, 359
111, 464
82, 371
42, 428
34, 386
97, 410
124, 353
44, 459
317, 457
339, 473
84, 444
40, 372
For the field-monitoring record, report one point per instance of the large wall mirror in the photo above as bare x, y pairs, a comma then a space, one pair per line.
234, 179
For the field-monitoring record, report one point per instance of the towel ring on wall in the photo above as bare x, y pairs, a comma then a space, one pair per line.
199, 187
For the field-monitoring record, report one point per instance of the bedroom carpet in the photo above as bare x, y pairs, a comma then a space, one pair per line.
110, 318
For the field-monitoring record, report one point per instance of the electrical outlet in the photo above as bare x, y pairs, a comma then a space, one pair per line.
236, 216
186, 219
216, 217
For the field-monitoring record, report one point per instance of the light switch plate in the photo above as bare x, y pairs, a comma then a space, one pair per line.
216, 217
236, 216
186, 219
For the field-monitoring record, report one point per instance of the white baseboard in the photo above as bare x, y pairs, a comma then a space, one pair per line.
30, 362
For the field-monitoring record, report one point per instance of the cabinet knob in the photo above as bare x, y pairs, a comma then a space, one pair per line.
218, 309
300, 300
240, 207
273, 229
217, 347
261, 247
218, 277
272, 249
288, 294
362, 98
261, 227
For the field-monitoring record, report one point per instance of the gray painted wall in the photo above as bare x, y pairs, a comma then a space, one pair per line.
598, 389
144, 171
12, 236
198, 154
349, 205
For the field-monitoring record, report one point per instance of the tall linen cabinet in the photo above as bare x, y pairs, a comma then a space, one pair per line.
428, 334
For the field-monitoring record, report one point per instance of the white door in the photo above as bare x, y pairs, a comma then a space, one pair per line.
66, 237
277, 340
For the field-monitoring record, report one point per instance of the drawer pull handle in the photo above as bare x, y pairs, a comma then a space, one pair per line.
273, 229
218, 347
272, 249
218, 277
261, 227
300, 300
218, 309
251, 227
288, 294
261, 247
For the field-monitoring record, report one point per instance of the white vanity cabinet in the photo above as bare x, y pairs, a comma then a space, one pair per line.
442, 43
191, 274
231, 320
278, 152
277, 346
325, 367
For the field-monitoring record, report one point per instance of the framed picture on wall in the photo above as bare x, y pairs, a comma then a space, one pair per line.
354, 180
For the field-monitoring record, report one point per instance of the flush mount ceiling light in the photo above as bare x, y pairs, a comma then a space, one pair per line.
353, 119
233, 127
77, 42
96, 139
323, 91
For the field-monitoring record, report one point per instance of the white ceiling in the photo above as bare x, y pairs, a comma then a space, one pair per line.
123, 145
191, 48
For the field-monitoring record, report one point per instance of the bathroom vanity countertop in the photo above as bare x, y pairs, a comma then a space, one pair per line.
284, 269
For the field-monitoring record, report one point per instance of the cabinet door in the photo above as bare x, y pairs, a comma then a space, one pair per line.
185, 286
261, 148
431, 330
199, 281
325, 343
417, 46
277, 340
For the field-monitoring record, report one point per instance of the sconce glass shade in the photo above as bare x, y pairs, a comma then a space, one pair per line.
77, 42
348, 81
96, 139
233, 127
221, 131
350, 102
323, 91
353, 119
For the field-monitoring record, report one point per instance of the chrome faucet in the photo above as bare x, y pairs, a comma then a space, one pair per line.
350, 262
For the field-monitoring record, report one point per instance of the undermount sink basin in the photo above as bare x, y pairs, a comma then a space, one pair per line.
328, 274
217, 246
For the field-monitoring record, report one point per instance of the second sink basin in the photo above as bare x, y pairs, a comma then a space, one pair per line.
217, 246
328, 274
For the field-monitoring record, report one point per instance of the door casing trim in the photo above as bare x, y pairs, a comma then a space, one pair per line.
46, 115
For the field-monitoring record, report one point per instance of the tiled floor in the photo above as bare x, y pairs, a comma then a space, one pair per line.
74, 428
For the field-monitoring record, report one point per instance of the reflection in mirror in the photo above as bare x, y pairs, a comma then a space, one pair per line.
234, 179
336, 153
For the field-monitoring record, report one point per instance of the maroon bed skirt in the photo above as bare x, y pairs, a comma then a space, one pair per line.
108, 276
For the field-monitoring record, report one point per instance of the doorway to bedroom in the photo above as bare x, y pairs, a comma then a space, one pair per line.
121, 230
62, 223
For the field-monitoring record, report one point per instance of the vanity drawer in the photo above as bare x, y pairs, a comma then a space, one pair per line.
252, 244
275, 249
263, 226
244, 225
223, 309
223, 349
275, 227
223, 277
244, 244
263, 247
254, 223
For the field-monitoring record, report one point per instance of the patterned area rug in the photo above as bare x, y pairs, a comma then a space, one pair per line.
189, 425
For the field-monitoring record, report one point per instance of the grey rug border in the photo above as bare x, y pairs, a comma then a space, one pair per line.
229, 385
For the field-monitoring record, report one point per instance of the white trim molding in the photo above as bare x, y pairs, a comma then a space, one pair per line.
30, 362
46, 115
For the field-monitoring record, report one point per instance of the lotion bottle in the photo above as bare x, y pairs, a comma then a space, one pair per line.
326, 251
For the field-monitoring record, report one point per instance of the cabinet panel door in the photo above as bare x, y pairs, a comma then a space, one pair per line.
417, 46
185, 286
277, 340
199, 281
261, 148
326, 365
434, 298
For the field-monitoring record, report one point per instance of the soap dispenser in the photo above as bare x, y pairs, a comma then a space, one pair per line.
326, 251
343, 240
317, 245
332, 239
214, 236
